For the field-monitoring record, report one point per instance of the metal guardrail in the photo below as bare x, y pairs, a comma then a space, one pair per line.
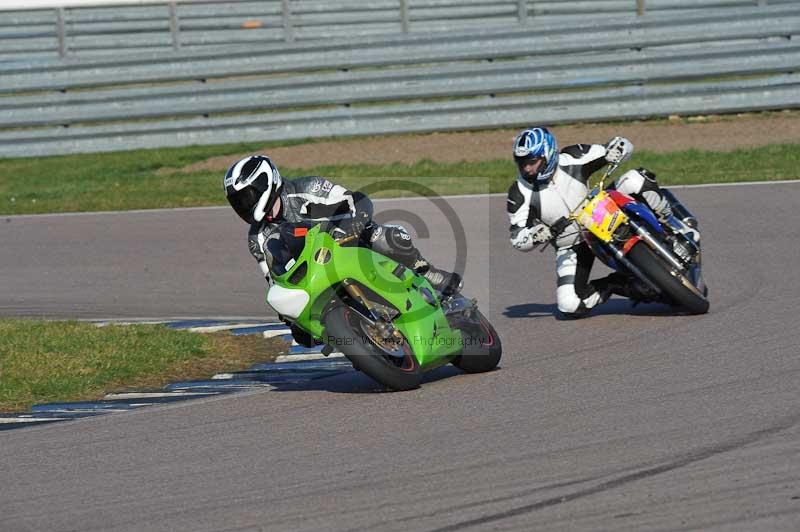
427, 48
736, 59
403, 85
80, 28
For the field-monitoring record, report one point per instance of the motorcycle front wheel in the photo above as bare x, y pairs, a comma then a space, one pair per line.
481, 349
675, 286
392, 365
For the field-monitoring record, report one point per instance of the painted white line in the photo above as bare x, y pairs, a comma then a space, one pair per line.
446, 197
738, 184
220, 207
255, 320
310, 356
231, 327
98, 411
277, 332
8, 420
113, 322
105, 213
376, 200
151, 395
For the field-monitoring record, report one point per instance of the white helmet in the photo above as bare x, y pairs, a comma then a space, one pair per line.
252, 186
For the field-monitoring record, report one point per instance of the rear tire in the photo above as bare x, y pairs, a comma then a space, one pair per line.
657, 270
482, 347
343, 329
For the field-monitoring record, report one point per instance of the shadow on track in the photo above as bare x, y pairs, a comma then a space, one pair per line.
355, 382
616, 306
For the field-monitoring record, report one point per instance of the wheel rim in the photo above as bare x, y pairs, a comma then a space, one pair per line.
482, 332
488, 332
399, 357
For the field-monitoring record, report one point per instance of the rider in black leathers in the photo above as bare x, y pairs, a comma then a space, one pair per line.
263, 199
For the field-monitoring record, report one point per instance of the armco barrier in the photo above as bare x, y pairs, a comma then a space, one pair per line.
704, 61
110, 27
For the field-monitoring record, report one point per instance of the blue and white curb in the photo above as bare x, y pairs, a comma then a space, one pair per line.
299, 366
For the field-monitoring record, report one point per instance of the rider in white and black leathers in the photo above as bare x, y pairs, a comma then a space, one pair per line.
263, 199
550, 185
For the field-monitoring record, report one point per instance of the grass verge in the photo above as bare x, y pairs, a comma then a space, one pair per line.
42, 361
136, 179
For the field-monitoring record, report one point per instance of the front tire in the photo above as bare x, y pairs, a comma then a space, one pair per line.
657, 270
345, 330
482, 347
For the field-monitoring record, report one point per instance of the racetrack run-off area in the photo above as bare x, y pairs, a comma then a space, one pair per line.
630, 419
705, 133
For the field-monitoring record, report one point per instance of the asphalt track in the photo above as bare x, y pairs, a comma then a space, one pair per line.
631, 419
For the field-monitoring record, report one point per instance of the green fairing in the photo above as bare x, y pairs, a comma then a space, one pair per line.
424, 326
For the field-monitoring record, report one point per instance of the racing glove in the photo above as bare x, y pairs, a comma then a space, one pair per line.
527, 238
354, 226
618, 150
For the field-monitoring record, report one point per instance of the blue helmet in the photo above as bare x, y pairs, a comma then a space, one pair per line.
532, 144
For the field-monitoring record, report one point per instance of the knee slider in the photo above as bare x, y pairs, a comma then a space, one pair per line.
570, 305
392, 240
398, 238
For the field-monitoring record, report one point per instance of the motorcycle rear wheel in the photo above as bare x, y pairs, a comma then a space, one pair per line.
657, 270
396, 369
482, 347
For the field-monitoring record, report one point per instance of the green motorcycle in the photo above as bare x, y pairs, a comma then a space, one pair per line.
387, 320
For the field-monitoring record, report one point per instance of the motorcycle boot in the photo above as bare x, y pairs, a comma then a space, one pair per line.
601, 287
446, 283
630, 287
683, 228
679, 210
678, 217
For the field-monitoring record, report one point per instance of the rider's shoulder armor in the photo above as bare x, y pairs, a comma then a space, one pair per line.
522, 203
582, 160
313, 198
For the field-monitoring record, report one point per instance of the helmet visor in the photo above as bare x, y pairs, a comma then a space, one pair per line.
530, 167
244, 202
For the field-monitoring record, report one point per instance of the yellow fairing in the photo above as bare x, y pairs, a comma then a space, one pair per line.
602, 216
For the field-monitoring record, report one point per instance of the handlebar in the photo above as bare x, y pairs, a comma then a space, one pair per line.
295, 230
562, 223
346, 239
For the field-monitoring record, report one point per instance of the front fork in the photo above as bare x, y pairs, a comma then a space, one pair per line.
622, 259
692, 270
680, 270
354, 291
657, 246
